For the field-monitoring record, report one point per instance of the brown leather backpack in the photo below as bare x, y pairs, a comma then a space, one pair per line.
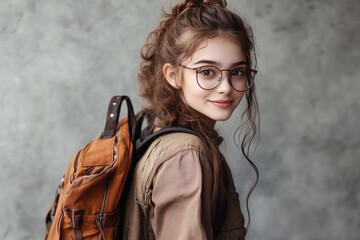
88, 202
87, 205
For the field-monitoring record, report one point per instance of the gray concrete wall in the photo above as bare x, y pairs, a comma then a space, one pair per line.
61, 61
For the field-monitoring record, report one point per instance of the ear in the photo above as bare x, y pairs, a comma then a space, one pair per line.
171, 75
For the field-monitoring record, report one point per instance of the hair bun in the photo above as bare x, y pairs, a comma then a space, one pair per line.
199, 3
194, 3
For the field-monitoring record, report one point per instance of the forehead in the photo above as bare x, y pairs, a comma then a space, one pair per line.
221, 50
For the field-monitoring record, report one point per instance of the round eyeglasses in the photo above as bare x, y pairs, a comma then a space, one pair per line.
209, 77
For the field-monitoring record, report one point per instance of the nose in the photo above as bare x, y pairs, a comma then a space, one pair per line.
224, 86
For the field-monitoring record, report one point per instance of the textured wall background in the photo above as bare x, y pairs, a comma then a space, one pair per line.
61, 61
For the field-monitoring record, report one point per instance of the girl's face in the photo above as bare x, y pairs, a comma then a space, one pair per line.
219, 103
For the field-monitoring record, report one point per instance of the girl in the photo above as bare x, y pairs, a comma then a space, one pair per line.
196, 68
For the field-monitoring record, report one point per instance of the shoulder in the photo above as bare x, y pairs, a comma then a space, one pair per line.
174, 147
181, 140
169, 154
176, 142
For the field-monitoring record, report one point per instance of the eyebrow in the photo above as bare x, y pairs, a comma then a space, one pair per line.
216, 63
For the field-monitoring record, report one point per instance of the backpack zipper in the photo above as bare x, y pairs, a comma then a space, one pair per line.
101, 214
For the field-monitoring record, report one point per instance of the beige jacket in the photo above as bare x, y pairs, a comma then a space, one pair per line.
170, 195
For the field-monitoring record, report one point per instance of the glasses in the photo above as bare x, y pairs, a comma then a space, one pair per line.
209, 77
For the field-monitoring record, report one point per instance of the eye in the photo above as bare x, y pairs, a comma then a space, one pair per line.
207, 72
240, 72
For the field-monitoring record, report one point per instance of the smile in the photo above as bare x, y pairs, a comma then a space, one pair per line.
222, 103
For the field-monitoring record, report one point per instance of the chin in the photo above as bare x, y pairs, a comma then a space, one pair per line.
220, 118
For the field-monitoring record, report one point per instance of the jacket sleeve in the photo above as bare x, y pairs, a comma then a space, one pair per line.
181, 198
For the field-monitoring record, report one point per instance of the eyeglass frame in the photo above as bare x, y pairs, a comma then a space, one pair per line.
221, 76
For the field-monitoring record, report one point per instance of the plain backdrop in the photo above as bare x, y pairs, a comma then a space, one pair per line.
61, 61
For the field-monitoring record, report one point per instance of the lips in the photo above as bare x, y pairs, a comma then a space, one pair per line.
222, 103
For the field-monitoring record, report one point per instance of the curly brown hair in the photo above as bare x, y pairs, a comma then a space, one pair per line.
203, 20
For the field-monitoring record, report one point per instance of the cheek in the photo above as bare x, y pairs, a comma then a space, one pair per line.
187, 79
194, 93
189, 86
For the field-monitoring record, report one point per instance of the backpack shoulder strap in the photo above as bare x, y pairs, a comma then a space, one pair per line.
112, 117
144, 141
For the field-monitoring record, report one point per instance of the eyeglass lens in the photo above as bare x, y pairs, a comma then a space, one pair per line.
209, 77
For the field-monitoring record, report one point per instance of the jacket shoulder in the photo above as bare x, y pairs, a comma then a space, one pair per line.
168, 145
180, 141
164, 149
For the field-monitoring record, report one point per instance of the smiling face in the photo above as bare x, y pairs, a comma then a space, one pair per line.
219, 103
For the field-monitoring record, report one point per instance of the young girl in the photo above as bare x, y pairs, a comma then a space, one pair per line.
197, 66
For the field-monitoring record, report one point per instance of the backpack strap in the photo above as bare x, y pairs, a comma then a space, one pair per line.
145, 140
76, 220
51, 213
112, 117
221, 208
